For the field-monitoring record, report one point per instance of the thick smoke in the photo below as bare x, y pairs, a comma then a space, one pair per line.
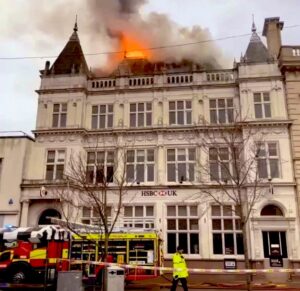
101, 26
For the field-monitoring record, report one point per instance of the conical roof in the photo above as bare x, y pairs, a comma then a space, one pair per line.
71, 59
256, 51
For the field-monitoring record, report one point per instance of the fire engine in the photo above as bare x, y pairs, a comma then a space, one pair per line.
34, 254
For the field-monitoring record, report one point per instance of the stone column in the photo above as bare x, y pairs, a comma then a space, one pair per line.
24, 213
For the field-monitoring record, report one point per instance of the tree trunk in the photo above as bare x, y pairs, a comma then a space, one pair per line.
104, 281
246, 254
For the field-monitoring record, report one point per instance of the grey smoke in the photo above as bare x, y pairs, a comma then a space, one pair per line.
101, 23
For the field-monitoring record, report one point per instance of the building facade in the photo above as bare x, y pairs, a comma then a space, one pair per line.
158, 115
14, 148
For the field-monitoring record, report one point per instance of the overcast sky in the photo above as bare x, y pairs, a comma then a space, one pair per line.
42, 28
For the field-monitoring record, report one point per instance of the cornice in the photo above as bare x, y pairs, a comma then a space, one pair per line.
63, 90
261, 79
162, 129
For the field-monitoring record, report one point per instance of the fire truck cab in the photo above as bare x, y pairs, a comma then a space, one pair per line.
32, 254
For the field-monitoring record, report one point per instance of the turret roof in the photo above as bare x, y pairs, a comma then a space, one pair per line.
256, 51
71, 59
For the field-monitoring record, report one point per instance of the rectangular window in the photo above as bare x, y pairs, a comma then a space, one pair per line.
102, 116
221, 164
226, 231
100, 167
262, 105
91, 215
55, 164
267, 160
59, 117
140, 114
221, 110
139, 216
140, 166
183, 228
180, 112
181, 165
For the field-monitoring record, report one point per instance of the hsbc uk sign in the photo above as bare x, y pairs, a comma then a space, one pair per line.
159, 193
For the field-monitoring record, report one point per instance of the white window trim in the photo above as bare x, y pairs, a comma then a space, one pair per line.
267, 157
184, 110
234, 231
106, 114
186, 161
176, 217
59, 114
55, 163
139, 219
262, 103
217, 109
145, 113
145, 163
105, 165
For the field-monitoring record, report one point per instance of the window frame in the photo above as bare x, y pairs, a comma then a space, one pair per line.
223, 231
263, 105
176, 162
219, 162
179, 225
108, 116
217, 109
55, 164
136, 113
187, 112
139, 221
91, 218
60, 113
268, 158
106, 164
145, 164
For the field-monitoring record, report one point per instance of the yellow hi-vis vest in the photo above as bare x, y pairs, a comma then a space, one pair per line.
179, 263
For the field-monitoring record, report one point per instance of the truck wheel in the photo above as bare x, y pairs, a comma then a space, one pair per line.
19, 275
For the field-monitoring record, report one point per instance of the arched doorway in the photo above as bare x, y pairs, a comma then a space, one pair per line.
48, 213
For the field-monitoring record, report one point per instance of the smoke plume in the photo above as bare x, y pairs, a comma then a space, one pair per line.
102, 25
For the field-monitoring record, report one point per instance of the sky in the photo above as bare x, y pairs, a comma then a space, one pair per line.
41, 28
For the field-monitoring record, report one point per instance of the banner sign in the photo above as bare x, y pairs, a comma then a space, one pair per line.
158, 193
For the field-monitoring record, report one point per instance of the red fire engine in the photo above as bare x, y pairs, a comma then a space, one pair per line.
37, 254
33, 254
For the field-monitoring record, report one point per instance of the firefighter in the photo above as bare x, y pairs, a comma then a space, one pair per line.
180, 272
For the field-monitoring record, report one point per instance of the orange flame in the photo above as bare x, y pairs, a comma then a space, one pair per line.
134, 48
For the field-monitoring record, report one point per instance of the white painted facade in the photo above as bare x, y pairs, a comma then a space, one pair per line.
81, 93
14, 148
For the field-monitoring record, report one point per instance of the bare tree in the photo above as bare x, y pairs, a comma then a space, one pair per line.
232, 172
95, 179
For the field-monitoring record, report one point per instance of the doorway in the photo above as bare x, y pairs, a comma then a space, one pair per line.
44, 218
274, 238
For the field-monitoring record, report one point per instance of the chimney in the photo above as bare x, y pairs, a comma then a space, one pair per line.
272, 31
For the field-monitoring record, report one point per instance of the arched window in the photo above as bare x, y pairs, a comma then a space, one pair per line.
271, 210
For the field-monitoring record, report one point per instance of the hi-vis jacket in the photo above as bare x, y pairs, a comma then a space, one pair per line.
179, 263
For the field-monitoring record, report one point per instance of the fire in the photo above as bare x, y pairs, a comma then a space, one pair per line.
133, 48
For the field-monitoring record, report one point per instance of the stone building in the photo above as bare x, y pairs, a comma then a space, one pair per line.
14, 149
157, 113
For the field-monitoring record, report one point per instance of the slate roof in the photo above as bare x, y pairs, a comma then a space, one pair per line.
71, 59
256, 51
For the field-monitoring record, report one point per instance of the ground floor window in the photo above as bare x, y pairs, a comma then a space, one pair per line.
226, 231
183, 228
139, 216
274, 238
91, 215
